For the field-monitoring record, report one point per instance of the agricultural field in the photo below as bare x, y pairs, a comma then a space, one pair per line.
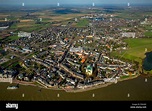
127, 15
56, 17
31, 21
28, 26
136, 49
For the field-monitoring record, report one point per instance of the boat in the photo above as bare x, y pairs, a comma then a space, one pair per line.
128, 95
12, 87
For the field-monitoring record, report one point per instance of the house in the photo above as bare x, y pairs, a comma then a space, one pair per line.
26, 78
1, 75
21, 76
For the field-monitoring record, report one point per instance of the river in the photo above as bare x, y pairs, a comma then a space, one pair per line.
137, 89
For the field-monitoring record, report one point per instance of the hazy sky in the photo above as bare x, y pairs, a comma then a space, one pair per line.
74, 1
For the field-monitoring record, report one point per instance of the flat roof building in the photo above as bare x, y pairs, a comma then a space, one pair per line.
24, 34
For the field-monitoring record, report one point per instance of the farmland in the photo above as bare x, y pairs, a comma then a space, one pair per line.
29, 20
136, 49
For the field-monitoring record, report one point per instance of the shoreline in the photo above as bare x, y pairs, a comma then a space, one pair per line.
119, 92
100, 86
75, 90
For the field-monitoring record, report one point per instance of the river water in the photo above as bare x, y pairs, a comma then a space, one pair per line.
137, 89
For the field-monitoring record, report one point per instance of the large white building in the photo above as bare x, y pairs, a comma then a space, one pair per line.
128, 34
24, 34
79, 49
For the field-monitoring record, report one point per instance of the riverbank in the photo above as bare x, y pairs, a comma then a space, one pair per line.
138, 88
100, 86
35, 84
71, 90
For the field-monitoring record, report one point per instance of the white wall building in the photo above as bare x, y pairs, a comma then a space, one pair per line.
79, 49
128, 34
24, 34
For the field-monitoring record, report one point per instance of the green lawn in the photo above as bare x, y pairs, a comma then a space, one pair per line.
14, 26
148, 34
14, 37
83, 23
136, 49
123, 77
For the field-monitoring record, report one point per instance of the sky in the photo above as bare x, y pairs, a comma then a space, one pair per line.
75, 1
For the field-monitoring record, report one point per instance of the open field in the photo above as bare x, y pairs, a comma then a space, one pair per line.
26, 20
3, 15
127, 15
148, 34
28, 26
25, 23
136, 49
10, 38
131, 14
29, 19
14, 37
50, 16
62, 17
83, 23
137, 46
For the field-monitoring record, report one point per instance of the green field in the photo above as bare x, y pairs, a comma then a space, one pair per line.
136, 49
14, 26
148, 34
46, 19
11, 38
83, 23
29, 26
14, 37
129, 15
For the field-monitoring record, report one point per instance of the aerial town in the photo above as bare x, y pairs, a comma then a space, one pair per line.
68, 57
